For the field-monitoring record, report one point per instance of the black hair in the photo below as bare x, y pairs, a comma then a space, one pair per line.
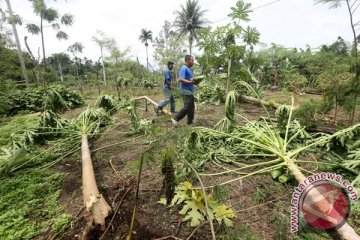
188, 57
170, 63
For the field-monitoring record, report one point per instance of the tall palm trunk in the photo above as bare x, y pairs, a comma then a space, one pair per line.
61, 73
96, 208
103, 65
190, 44
21, 57
42, 41
147, 58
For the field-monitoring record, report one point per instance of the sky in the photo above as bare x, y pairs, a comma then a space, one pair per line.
291, 23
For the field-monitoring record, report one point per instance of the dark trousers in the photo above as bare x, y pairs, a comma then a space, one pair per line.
188, 109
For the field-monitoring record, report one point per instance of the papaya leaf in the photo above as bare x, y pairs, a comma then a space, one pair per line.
194, 211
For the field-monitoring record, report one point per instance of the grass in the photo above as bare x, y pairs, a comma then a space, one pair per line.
259, 196
14, 124
221, 193
243, 232
132, 167
29, 203
284, 97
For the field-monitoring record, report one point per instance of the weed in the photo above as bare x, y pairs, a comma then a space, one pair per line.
307, 112
73, 195
29, 202
194, 208
280, 225
259, 196
132, 167
221, 192
242, 232
16, 123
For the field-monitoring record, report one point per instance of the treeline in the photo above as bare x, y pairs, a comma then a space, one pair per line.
73, 69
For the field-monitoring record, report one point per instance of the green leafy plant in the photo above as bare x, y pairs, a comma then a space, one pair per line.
167, 169
261, 140
243, 232
194, 209
56, 98
259, 196
108, 103
227, 122
138, 126
29, 203
306, 114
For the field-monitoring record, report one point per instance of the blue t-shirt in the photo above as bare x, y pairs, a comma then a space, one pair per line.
167, 77
186, 73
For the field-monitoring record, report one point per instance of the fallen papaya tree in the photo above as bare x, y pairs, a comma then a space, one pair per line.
147, 99
86, 125
231, 147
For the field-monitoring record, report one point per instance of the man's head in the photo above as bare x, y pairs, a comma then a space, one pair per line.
170, 65
189, 60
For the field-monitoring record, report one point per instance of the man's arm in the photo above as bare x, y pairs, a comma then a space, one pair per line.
182, 75
168, 82
167, 76
183, 80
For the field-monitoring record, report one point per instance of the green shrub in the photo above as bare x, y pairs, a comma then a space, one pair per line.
38, 98
307, 112
16, 124
29, 202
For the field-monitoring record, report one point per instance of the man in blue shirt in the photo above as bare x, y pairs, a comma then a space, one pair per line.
168, 83
187, 87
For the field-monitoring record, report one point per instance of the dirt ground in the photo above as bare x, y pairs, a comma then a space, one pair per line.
116, 169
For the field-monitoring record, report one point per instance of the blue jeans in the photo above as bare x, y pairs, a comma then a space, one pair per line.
168, 98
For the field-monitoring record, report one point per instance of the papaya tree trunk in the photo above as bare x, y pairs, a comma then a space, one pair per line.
228, 83
345, 231
297, 101
103, 65
96, 208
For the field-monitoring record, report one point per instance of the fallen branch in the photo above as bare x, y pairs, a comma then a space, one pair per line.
153, 103
257, 101
168, 237
197, 228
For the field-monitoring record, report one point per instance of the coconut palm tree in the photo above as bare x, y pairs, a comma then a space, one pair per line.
145, 36
51, 16
14, 20
189, 19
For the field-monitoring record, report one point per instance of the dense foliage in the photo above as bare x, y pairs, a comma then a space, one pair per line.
36, 99
29, 203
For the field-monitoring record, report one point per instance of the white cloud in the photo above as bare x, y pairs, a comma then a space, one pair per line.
292, 23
